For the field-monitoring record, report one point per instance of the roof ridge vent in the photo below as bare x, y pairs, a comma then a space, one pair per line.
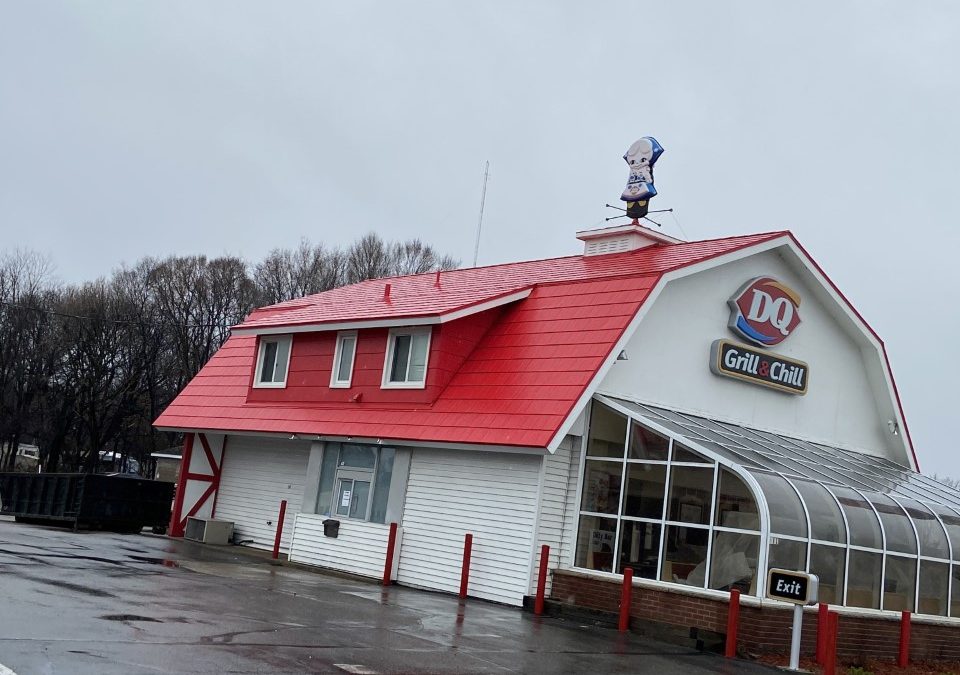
621, 238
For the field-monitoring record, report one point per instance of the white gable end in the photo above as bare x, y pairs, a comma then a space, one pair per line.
849, 401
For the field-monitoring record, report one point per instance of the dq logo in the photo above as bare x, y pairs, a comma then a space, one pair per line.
764, 311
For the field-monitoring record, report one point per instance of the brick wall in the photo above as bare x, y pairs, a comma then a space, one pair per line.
762, 629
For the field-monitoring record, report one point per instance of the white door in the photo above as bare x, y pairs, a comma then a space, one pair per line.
257, 474
453, 492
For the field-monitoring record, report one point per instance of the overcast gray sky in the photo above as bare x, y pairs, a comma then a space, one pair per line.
131, 128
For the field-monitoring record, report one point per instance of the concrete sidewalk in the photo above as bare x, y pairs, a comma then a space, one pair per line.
95, 602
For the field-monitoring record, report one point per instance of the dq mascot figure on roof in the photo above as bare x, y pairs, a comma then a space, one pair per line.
640, 157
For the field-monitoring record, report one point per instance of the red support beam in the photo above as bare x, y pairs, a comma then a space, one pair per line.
216, 478
465, 570
626, 593
822, 616
733, 623
276, 542
176, 521
542, 580
388, 564
903, 659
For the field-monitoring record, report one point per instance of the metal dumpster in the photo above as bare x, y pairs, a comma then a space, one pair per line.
111, 502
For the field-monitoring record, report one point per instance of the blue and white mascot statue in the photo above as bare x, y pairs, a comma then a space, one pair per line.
640, 157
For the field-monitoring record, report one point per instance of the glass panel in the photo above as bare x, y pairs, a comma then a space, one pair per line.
952, 522
401, 354
269, 361
418, 358
827, 562
691, 489
787, 554
645, 489
283, 355
358, 502
358, 456
864, 528
863, 586
683, 454
896, 525
955, 599
344, 495
595, 543
381, 486
647, 444
608, 432
933, 588
736, 506
685, 558
601, 486
786, 511
328, 472
900, 584
826, 521
733, 561
933, 541
639, 548
347, 345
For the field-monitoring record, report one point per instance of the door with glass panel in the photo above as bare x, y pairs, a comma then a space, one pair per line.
353, 493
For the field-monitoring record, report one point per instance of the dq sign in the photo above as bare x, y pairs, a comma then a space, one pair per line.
764, 311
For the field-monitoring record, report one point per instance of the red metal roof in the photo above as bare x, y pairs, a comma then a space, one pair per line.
515, 389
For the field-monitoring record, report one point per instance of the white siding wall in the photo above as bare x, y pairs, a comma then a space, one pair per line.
360, 548
257, 474
452, 492
571, 518
553, 503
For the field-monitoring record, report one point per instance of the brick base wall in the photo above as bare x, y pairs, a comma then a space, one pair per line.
763, 630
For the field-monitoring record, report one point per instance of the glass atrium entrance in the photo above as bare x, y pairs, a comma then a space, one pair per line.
697, 502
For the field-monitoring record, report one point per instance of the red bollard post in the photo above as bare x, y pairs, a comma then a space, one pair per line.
733, 622
465, 571
903, 660
276, 542
388, 564
542, 579
822, 618
626, 594
830, 649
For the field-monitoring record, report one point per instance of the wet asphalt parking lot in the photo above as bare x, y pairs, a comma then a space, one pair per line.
97, 602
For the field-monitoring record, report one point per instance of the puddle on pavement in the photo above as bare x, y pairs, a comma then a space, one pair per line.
129, 617
166, 562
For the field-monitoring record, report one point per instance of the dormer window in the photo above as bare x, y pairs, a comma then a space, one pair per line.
343, 359
406, 362
273, 362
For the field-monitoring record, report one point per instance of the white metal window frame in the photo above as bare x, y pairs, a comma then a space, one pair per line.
858, 486
716, 461
336, 383
392, 336
765, 533
258, 383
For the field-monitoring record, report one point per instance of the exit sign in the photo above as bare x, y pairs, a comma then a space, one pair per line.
796, 587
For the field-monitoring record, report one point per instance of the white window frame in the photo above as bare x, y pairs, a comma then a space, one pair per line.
264, 341
337, 355
388, 357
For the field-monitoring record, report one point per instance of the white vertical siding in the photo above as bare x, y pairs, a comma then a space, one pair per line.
257, 474
360, 548
553, 504
453, 492
571, 509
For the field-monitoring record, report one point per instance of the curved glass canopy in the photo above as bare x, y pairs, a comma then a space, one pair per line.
694, 501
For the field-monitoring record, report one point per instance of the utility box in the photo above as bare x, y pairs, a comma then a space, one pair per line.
208, 530
331, 528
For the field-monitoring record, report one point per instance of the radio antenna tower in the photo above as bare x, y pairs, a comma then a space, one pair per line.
483, 198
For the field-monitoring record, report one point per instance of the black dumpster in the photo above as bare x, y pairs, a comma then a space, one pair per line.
110, 502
